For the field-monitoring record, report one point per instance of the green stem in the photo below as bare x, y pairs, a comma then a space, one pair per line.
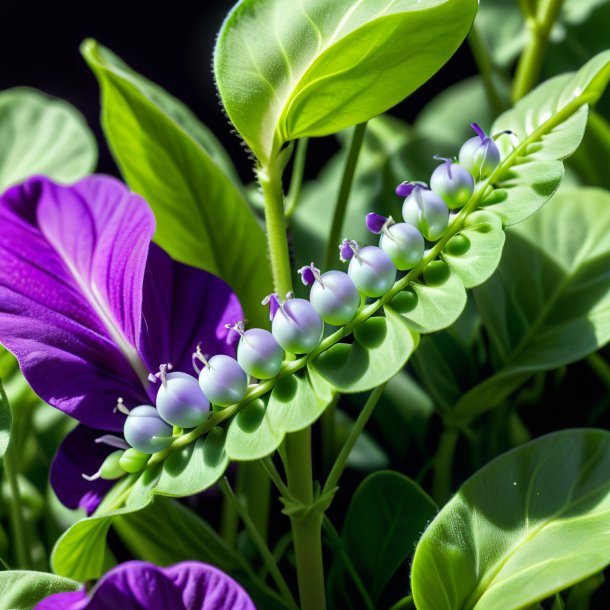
482, 58
327, 430
306, 527
296, 180
275, 476
254, 490
530, 62
600, 366
358, 427
346, 184
443, 466
11, 459
403, 604
270, 179
262, 548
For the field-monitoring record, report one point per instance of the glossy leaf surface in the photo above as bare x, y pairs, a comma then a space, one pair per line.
286, 70
532, 522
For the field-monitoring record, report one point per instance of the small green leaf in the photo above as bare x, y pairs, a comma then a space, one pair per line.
294, 404
22, 590
564, 251
42, 135
6, 421
177, 165
383, 524
477, 249
289, 70
380, 349
532, 522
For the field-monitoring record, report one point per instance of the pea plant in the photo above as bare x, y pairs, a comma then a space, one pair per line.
444, 284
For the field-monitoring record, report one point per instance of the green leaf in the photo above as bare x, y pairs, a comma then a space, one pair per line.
380, 349
177, 165
42, 135
532, 522
475, 252
549, 123
6, 421
549, 302
289, 70
294, 404
382, 526
22, 590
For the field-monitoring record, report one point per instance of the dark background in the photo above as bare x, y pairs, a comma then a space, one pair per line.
172, 46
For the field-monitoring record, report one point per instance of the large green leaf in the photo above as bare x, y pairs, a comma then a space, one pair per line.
22, 590
383, 523
81, 552
42, 135
172, 160
549, 302
380, 349
286, 70
294, 403
532, 522
549, 124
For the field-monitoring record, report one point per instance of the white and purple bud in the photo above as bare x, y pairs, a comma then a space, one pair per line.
145, 431
273, 300
258, 353
297, 327
402, 242
372, 271
426, 211
333, 294
221, 379
452, 182
479, 155
180, 401
346, 250
133, 460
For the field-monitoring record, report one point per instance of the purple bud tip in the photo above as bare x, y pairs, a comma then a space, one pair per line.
404, 189
347, 249
477, 129
274, 304
309, 274
375, 222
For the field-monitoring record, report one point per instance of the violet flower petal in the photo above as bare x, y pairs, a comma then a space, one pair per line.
138, 585
73, 261
70, 600
79, 454
182, 307
375, 222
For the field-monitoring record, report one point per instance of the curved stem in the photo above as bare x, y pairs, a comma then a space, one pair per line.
262, 548
296, 180
486, 70
358, 427
530, 62
443, 466
346, 184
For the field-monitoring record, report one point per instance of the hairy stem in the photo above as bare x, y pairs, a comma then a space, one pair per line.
539, 27
443, 466
342, 199
262, 548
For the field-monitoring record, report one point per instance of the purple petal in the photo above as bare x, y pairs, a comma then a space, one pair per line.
346, 250
274, 304
77, 455
404, 189
477, 129
73, 261
138, 585
375, 222
182, 307
72, 600
308, 274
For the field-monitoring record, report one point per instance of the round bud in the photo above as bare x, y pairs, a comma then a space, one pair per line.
372, 271
453, 183
426, 211
259, 354
479, 155
145, 431
297, 327
223, 381
111, 468
404, 244
335, 298
181, 402
133, 460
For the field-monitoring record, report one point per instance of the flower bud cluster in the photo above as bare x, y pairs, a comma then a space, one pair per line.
297, 325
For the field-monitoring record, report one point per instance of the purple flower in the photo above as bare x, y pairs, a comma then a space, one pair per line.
91, 308
138, 585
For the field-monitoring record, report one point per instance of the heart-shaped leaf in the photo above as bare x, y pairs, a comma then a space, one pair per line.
532, 522
286, 70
